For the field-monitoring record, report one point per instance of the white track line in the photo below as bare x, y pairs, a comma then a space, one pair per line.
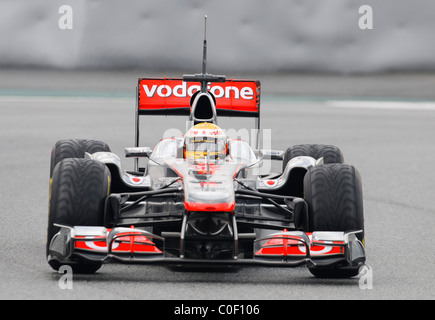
64, 99
390, 105
351, 104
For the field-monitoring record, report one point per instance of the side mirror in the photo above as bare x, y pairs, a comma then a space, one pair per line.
138, 152
272, 154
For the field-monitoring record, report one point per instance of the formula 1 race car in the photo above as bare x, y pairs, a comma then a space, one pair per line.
200, 199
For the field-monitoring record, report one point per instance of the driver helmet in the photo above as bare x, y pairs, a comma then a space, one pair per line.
205, 140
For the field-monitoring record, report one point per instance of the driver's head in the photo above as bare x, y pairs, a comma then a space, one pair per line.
205, 139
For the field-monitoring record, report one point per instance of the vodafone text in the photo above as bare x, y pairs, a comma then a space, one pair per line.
183, 90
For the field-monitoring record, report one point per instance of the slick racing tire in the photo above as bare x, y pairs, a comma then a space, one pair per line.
333, 193
78, 190
329, 153
74, 148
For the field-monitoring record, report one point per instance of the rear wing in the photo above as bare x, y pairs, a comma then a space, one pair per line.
172, 96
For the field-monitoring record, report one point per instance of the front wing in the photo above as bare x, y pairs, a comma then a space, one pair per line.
133, 245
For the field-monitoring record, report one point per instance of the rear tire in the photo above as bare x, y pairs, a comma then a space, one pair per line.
78, 190
333, 193
329, 153
74, 148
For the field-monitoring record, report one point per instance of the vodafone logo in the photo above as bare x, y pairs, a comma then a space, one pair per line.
270, 183
184, 90
99, 245
136, 180
161, 95
206, 132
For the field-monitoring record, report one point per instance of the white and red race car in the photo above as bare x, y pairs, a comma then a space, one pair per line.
200, 199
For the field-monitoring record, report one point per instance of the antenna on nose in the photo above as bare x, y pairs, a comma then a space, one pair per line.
204, 78
204, 50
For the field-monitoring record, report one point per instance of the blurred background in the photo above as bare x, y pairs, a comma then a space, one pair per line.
244, 35
296, 48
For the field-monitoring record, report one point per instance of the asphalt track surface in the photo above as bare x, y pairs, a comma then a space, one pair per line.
384, 125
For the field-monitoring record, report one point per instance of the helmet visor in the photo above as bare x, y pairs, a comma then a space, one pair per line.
203, 146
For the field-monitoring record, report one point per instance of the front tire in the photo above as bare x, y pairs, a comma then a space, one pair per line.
78, 189
333, 193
